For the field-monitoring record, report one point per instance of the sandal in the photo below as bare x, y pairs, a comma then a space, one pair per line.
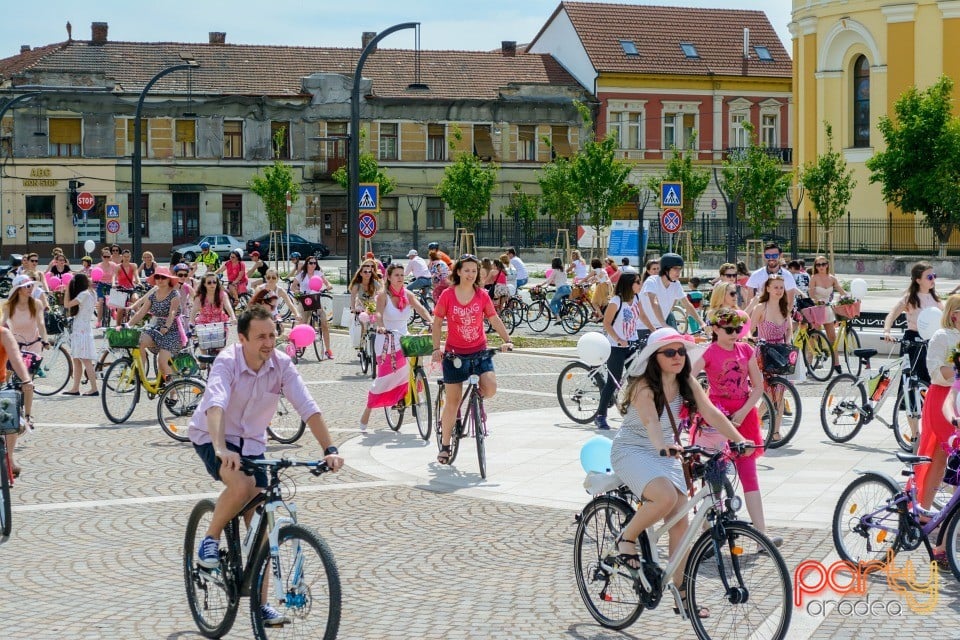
629, 560
445, 455
776, 437
940, 557
702, 612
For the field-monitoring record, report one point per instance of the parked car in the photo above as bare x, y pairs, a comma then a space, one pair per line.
222, 245
297, 243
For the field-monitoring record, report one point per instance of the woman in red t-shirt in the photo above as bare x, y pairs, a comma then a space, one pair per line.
464, 305
236, 276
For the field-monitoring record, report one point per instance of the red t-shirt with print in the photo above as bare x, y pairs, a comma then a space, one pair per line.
465, 332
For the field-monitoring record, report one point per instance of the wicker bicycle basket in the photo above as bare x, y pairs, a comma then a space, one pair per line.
848, 311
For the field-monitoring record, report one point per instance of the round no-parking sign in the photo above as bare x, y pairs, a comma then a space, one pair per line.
671, 220
368, 226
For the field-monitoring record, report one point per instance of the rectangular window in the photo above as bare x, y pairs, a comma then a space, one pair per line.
560, 141
64, 137
670, 131
281, 151
768, 130
483, 143
185, 222
526, 143
389, 141
40, 219
144, 215
233, 138
435, 213
336, 149
627, 126
144, 137
95, 226
436, 142
6, 139
678, 130
388, 214
738, 133
185, 139
233, 214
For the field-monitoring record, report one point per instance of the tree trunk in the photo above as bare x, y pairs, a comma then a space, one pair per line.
830, 253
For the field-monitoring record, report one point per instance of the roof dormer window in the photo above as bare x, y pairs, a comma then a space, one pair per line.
689, 50
629, 47
763, 53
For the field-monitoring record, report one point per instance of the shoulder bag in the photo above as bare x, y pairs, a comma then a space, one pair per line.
687, 474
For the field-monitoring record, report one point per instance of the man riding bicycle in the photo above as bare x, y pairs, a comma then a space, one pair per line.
207, 257
241, 398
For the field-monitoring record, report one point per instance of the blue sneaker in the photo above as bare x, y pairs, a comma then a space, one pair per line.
209, 555
601, 423
272, 617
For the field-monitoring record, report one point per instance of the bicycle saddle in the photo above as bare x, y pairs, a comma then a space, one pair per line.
206, 359
907, 458
864, 354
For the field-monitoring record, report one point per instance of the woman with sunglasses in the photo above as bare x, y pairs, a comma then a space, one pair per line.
109, 269
126, 279
771, 317
364, 289
271, 283
464, 305
236, 275
302, 284
210, 302
723, 296
163, 336
822, 287
645, 451
23, 316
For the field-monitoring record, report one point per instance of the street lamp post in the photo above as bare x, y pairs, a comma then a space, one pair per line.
353, 190
643, 198
415, 201
794, 197
732, 201
136, 173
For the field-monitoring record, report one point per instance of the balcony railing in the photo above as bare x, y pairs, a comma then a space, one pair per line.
783, 154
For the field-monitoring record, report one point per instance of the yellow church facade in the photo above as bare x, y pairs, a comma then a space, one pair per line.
852, 60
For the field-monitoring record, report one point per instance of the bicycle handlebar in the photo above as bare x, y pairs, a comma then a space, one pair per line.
316, 467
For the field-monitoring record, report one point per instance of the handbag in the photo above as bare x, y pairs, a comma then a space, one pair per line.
687, 471
951, 474
393, 375
421, 345
356, 330
779, 359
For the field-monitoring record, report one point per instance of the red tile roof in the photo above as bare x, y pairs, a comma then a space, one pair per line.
658, 31
277, 70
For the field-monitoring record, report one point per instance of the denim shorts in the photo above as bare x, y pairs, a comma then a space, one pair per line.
103, 290
212, 462
469, 364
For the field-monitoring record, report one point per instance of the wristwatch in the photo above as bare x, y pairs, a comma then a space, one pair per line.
331, 451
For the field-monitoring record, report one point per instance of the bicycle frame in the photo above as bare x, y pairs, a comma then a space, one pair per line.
602, 370
264, 528
902, 368
906, 502
152, 386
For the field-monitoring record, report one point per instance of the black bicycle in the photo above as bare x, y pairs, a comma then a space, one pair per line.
11, 408
289, 566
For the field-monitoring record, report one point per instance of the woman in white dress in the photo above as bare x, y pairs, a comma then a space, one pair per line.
82, 302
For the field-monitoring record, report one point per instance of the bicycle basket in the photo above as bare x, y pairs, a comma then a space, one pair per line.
779, 359
123, 338
951, 475
185, 364
538, 293
211, 336
54, 322
310, 301
851, 310
815, 315
416, 345
9, 411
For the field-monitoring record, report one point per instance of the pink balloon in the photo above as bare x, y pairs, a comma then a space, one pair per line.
302, 335
66, 278
96, 274
548, 273
54, 282
316, 283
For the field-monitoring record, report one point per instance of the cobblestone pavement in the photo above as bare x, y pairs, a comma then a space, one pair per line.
101, 509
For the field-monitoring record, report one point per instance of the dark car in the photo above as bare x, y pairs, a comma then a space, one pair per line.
297, 243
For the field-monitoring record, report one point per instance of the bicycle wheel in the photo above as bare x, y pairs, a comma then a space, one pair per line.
743, 581
310, 586
318, 346
818, 356
479, 433
326, 304
952, 543
211, 595
283, 310
370, 347
787, 410
904, 411
286, 426
394, 415
121, 390
841, 409
422, 408
54, 372
6, 509
438, 430
851, 342
680, 318
606, 589
176, 405
538, 316
578, 392
866, 524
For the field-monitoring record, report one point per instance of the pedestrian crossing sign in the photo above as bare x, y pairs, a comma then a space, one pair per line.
369, 197
671, 195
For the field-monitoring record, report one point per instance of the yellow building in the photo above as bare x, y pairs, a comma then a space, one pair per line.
852, 61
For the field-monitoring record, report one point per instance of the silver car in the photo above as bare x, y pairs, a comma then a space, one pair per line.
222, 245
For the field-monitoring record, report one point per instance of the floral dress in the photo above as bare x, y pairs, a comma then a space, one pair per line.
160, 310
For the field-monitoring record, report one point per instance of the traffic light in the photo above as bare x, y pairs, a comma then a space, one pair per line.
74, 188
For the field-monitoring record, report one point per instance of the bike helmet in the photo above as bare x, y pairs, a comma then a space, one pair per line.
181, 267
669, 261
204, 245
295, 254
433, 245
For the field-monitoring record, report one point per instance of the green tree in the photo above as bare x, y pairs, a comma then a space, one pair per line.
829, 184
680, 168
370, 171
523, 206
760, 180
273, 186
920, 169
558, 197
467, 186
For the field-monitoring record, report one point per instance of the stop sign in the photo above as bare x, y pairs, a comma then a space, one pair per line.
85, 201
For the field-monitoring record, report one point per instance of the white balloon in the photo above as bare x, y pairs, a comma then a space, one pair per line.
593, 348
89, 246
928, 322
858, 288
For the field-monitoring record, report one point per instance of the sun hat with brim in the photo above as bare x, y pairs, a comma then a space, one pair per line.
22, 280
412, 253
161, 271
659, 339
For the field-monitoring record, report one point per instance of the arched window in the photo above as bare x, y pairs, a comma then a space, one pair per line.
861, 102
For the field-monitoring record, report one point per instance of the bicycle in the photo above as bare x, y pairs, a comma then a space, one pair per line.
366, 352
849, 402
875, 518
304, 575
572, 316
579, 386
847, 343
425, 297
316, 303
125, 379
11, 410
417, 399
731, 568
814, 346
780, 409
475, 422
56, 366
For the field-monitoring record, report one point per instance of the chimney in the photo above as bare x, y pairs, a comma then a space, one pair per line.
24, 48
218, 37
367, 37
746, 43
98, 33
509, 48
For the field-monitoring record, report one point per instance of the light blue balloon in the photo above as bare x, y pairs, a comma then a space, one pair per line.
595, 455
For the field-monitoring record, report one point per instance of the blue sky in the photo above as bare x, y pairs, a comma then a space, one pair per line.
444, 24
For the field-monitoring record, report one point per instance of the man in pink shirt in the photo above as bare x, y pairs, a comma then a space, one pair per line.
240, 400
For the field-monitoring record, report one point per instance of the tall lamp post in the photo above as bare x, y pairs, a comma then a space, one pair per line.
794, 197
353, 191
732, 200
643, 199
136, 173
9, 104
415, 201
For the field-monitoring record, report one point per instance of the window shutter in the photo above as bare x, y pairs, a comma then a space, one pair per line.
64, 130
186, 130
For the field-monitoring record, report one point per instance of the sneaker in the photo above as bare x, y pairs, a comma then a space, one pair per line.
209, 555
601, 423
272, 617
363, 428
329, 354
